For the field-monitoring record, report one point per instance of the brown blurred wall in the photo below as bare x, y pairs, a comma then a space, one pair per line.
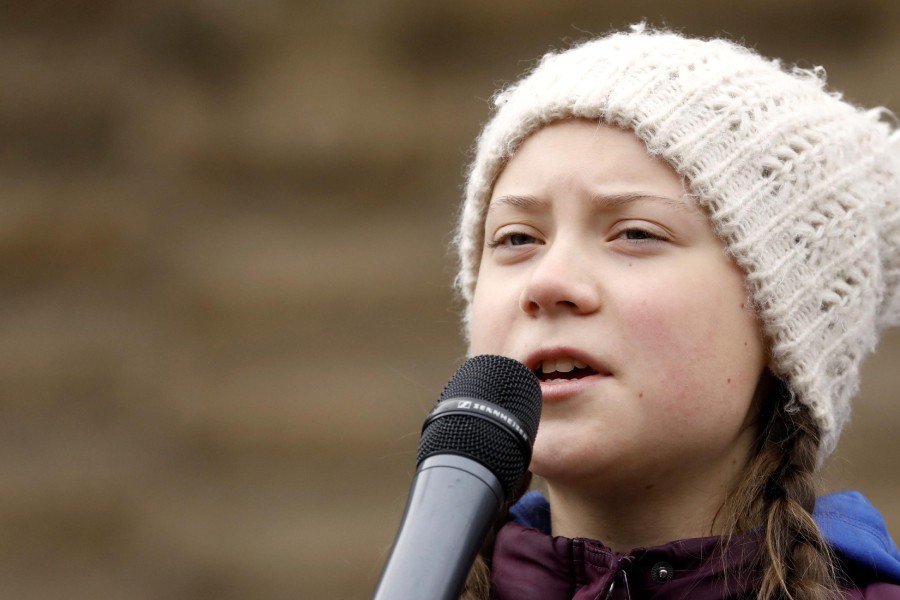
226, 303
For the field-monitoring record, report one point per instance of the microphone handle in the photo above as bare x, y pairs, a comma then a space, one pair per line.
451, 506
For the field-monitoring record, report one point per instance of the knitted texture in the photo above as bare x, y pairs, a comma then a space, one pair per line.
802, 187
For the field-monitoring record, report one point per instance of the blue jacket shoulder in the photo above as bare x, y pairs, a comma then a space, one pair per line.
857, 532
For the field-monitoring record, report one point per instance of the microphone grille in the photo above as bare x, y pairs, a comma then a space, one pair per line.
501, 381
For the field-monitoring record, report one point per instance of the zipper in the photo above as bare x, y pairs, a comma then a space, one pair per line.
621, 571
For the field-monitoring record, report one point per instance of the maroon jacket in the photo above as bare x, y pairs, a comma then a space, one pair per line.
531, 565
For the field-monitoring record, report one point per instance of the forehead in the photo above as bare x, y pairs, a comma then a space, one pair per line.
608, 165
685, 204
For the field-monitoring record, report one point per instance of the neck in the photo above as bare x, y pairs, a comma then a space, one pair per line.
641, 515
624, 524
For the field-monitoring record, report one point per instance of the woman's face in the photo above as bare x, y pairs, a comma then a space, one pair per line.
601, 276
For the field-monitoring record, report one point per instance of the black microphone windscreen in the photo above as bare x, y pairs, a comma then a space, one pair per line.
499, 380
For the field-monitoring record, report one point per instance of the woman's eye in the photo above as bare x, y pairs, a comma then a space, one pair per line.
513, 239
635, 234
519, 239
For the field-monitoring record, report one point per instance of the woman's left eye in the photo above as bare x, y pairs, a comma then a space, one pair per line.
637, 234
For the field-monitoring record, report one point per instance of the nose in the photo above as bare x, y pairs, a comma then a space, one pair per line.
561, 281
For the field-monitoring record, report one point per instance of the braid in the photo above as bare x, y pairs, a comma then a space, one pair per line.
779, 493
478, 583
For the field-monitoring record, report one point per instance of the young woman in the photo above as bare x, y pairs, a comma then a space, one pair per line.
693, 248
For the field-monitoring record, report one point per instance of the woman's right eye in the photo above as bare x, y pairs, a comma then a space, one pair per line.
512, 239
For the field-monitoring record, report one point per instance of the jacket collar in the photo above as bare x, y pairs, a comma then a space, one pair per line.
526, 557
529, 564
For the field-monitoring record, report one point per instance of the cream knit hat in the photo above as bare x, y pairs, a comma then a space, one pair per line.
802, 187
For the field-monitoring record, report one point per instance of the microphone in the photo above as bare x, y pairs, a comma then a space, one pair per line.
475, 448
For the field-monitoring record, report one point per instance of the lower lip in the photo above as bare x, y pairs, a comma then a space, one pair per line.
558, 391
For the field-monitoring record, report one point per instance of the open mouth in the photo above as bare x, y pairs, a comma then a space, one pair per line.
562, 369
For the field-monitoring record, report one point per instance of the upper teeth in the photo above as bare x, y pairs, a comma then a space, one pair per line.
561, 365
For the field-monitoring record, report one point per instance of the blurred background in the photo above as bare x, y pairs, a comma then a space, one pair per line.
226, 291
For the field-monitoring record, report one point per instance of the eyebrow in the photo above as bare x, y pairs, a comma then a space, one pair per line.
602, 201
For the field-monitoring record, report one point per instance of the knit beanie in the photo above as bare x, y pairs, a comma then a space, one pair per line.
802, 187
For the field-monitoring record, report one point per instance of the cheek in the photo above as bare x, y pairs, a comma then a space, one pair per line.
488, 317
481, 334
664, 349
698, 342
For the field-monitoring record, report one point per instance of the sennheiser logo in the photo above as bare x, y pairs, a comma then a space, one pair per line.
490, 410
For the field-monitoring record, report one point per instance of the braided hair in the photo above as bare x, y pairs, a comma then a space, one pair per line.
777, 495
